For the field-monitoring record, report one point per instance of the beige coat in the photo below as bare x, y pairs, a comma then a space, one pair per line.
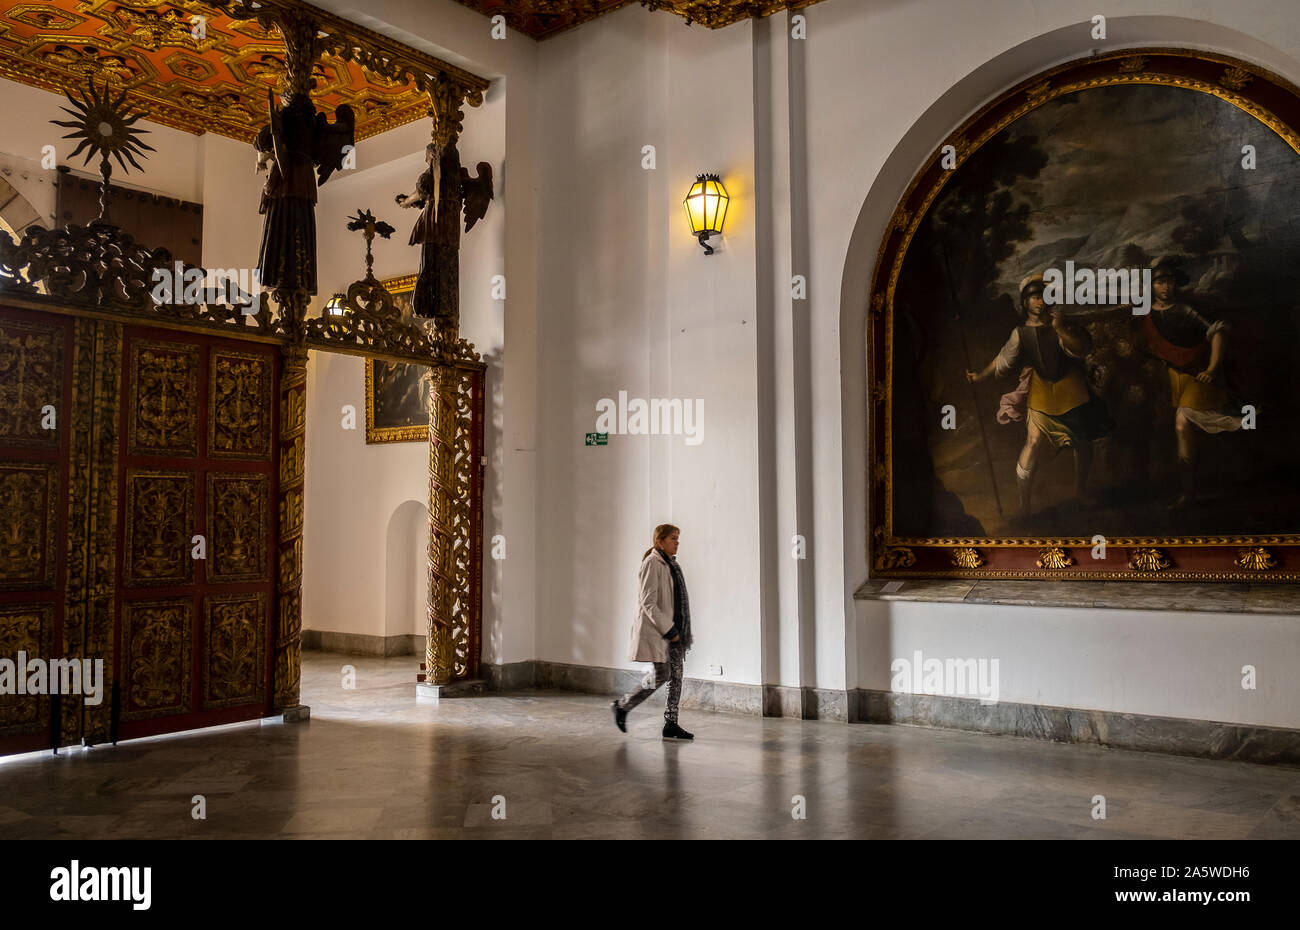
654, 615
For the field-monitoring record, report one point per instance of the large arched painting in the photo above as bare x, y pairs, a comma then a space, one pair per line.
1085, 337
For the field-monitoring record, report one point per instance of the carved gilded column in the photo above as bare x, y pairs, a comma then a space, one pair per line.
439, 654
293, 438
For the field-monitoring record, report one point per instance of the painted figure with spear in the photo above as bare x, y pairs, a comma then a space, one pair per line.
1053, 395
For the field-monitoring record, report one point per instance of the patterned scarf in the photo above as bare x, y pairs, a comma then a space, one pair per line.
681, 601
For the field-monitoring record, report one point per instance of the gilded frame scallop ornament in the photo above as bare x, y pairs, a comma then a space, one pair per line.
1267, 97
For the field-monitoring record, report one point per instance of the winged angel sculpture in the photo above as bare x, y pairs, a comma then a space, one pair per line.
476, 194
301, 149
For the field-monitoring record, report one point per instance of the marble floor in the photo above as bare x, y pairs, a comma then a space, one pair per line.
373, 763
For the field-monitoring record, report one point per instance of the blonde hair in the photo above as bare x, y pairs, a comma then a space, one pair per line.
662, 532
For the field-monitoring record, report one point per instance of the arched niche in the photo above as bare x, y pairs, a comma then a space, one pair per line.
918, 148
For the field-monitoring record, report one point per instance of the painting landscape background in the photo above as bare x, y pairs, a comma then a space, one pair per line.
1110, 177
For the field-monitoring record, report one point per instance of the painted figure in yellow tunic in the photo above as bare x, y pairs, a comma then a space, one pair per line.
1047, 351
1193, 350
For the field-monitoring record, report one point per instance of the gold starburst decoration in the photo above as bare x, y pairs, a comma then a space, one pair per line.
1258, 559
1148, 560
105, 126
967, 557
1054, 557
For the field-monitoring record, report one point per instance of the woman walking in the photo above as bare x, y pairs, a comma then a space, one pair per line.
661, 632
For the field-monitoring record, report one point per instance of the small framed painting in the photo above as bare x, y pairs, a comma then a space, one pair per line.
397, 392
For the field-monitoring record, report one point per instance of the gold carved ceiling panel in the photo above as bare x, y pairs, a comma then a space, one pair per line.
544, 18
216, 83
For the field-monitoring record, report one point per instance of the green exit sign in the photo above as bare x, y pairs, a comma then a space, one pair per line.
598, 439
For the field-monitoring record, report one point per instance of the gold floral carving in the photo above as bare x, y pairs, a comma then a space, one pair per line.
218, 83
439, 658
239, 399
966, 557
29, 494
31, 378
25, 628
1255, 559
715, 14
237, 522
1054, 557
1236, 79
234, 641
1132, 64
156, 651
901, 219
159, 522
288, 621
889, 557
164, 407
101, 385
1148, 560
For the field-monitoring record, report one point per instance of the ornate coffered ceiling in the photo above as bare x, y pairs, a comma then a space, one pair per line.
544, 18
215, 79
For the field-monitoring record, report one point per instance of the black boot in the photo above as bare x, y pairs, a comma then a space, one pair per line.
620, 717
673, 731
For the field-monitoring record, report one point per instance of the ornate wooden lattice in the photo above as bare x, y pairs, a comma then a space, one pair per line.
130, 499
455, 527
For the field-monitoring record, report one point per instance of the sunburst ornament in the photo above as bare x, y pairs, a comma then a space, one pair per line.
106, 127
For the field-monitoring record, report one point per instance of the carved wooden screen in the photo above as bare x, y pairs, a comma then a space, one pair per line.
469, 537
197, 486
36, 385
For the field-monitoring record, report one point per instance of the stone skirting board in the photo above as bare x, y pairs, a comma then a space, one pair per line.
697, 694
1176, 736
362, 644
1173, 735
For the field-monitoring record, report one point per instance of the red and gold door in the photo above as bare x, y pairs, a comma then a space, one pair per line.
197, 486
36, 426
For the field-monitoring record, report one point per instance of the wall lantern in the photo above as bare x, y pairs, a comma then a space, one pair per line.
706, 208
333, 315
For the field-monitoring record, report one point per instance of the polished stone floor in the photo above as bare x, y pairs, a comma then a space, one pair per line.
374, 763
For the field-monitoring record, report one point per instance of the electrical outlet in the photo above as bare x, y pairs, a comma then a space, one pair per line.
715, 669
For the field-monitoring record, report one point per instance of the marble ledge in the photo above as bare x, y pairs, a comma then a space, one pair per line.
1120, 595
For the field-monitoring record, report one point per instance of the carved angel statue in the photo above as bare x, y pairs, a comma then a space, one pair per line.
300, 149
477, 193
424, 300
432, 232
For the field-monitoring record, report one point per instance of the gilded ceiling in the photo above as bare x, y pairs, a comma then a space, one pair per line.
544, 18
210, 79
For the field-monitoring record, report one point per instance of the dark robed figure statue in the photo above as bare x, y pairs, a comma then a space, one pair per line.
302, 149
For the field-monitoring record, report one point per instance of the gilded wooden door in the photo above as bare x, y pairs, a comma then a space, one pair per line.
197, 487
36, 402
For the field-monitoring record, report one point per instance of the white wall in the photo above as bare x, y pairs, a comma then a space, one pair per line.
878, 88
1164, 664
631, 303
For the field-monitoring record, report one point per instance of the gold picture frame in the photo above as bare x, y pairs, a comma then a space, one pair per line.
1232, 557
384, 379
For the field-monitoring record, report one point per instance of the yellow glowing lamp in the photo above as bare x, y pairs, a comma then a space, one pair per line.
706, 208
333, 315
